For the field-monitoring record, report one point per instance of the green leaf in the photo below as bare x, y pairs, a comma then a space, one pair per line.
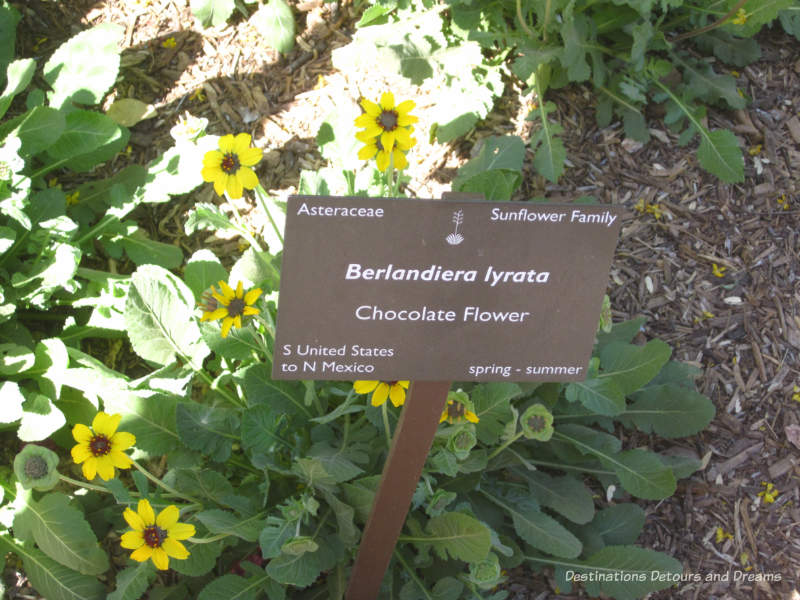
18, 76
299, 570
565, 495
720, 155
360, 495
202, 559
63, 533
89, 138
262, 429
536, 528
629, 572
210, 217
376, 12
233, 587
731, 50
551, 155
759, 14
209, 429
496, 171
272, 537
82, 69
9, 17
220, 521
344, 514
202, 271
206, 483
619, 524
458, 536
602, 396
642, 474
50, 366
142, 251
335, 463
157, 317
276, 22
631, 367
132, 582
151, 419
281, 396
212, 13
51, 579
624, 331
15, 359
40, 419
707, 85
670, 411
11, 403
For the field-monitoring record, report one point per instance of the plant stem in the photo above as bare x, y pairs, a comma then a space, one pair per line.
240, 226
88, 486
163, 485
719, 22
261, 194
522, 22
413, 575
207, 540
499, 449
385, 411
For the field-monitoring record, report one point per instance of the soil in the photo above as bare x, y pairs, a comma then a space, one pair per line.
713, 267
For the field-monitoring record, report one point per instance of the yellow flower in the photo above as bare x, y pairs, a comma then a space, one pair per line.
740, 18
655, 210
723, 535
156, 537
640, 206
456, 412
198, 95
234, 304
169, 43
229, 167
381, 390
717, 270
755, 150
101, 448
387, 130
796, 393
769, 493
73, 197
783, 202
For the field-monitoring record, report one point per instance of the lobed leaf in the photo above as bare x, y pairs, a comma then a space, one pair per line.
670, 411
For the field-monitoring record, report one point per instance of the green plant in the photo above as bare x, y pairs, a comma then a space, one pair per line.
633, 54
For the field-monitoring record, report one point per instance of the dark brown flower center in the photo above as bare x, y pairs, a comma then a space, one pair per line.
35, 467
230, 163
455, 410
154, 536
388, 120
100, 445
236, 307
208, 303
536, 423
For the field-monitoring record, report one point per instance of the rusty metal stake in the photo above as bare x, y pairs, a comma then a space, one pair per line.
410, 446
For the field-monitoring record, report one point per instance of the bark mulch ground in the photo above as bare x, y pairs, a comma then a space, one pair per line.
713, 267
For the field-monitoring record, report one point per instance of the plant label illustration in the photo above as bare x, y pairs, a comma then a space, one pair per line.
377, 288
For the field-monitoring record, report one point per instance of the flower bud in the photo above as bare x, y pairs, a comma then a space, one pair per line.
35, 468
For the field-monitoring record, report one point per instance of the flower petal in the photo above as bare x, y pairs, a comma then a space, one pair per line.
387, 140
226, 326
404, 384
387, 101
227, 291
142, 553
181, 531
122, 440
366, 119
105, 424
397, 395
120, 460
382, 160
248, 178
213, 158
250, 156
241, 142
372, 109
404, 107
234, 186
226, 143
237, 321
220, 313
168, 517
133, 519
367, 152
380, 394
400, 160
364, 386
146, 512
105, 467
251, 296
80, 453
160, 559
405, 120
471, 416
89, 468
240, 290
82, 434
131, 539
220, 183
175, 549
250, 310
211, 173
